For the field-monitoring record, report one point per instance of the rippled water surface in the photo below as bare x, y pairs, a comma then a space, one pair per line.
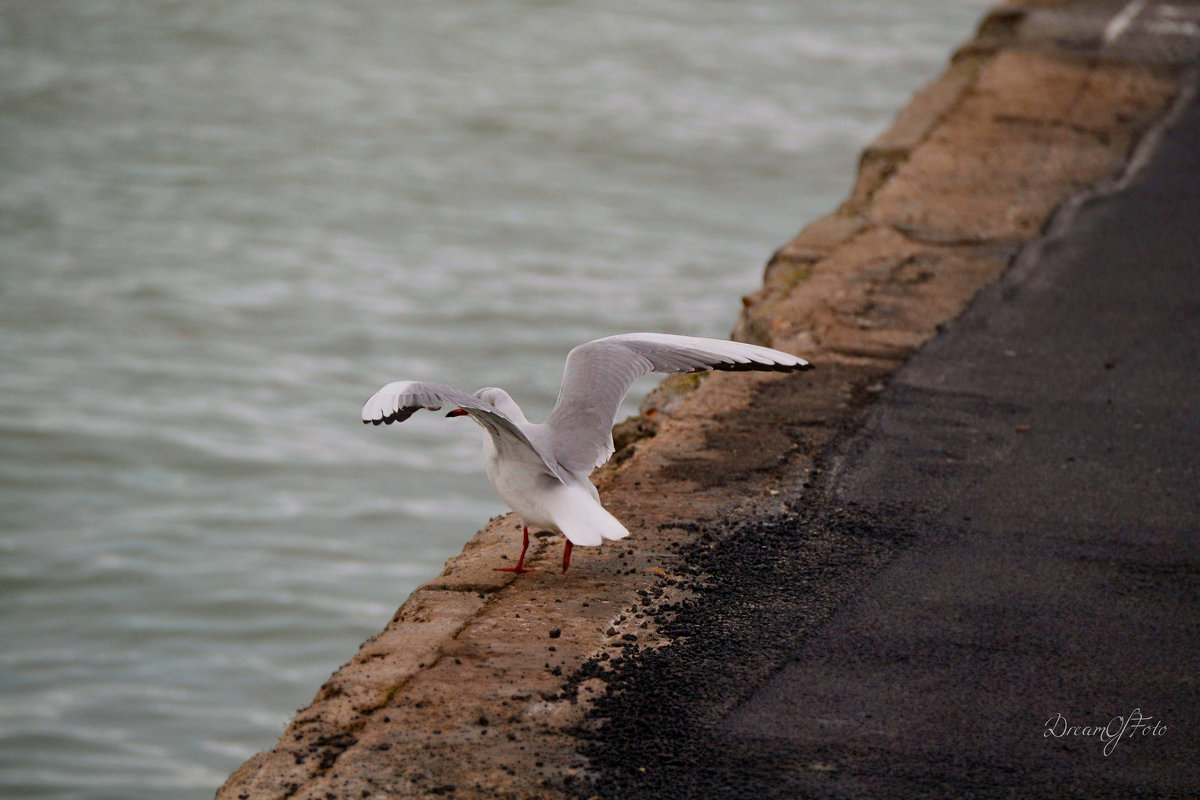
224, 223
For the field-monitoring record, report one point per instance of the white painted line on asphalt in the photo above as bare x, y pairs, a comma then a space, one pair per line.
1173, 28
1177, 11
1117, 25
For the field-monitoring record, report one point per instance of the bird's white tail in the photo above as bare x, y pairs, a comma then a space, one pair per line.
582, 519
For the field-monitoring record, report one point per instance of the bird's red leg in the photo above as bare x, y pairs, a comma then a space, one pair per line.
520, 567
566, 556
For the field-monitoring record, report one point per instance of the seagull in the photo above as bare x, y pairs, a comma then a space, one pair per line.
541, 469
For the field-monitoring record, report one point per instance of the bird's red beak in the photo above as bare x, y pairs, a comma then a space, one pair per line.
458, 412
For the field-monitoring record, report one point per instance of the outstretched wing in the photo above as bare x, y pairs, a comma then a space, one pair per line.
599, 374
399, 400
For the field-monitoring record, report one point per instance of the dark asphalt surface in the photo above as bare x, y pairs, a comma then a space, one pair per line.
1012, 534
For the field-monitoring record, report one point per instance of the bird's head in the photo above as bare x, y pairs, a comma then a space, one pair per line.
491, 396
497, 399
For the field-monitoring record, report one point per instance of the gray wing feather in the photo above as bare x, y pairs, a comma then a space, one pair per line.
599, 374
399, 400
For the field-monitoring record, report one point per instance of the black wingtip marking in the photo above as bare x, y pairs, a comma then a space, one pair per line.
734, 366
399, 415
